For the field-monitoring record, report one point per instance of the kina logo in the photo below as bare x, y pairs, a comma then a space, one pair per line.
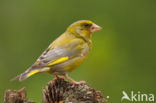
137, 97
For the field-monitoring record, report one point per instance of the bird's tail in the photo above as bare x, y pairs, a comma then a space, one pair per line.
25, 75
29, 73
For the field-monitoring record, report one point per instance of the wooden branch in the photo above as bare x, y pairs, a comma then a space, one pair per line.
59, 91
16, 96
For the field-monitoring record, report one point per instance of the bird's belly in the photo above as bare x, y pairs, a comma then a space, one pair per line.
68, 66
74, 63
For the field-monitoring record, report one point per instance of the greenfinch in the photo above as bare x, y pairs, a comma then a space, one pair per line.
66, 53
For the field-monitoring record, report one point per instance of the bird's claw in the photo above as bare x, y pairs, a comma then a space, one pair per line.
78, 83
58, 77
61, 77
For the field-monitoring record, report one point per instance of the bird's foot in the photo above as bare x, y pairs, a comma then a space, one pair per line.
58, 77
61, 77
74, 82
77, 83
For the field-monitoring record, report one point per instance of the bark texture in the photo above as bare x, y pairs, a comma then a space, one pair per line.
16, 96
59, 91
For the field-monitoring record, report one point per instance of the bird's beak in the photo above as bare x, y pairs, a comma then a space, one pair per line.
95, 28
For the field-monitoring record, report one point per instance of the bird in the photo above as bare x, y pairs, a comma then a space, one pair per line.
65, 53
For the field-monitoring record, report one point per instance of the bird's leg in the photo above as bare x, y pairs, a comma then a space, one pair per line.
73, 81
57, 77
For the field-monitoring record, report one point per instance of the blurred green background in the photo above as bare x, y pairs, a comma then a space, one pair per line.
123, 54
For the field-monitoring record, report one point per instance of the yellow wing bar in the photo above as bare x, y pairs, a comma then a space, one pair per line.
33, 72
60, 60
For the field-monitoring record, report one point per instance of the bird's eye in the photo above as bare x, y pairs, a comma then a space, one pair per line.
86, 25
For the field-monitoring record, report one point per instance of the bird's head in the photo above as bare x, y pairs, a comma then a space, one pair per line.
83, 28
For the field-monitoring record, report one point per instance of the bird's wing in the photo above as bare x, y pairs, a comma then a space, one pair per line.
60, 54
54, 55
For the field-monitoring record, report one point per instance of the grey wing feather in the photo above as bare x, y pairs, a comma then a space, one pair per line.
69, 50
56, 53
